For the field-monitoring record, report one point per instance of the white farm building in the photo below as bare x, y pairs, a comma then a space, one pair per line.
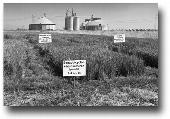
41, 23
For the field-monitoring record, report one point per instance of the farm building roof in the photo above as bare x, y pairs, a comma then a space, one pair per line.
42, 20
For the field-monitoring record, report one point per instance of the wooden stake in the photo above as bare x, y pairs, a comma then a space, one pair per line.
74, 82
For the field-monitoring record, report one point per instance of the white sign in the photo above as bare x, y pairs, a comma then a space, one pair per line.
45, 38
74, 68
119, 38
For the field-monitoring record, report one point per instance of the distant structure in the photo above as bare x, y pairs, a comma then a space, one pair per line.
41, 23
93, 23
71, 21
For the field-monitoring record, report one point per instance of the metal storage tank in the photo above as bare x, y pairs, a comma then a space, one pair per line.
76, 25
70, 23
66, 23
94, 24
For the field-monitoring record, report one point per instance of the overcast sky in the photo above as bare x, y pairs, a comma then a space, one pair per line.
117, 16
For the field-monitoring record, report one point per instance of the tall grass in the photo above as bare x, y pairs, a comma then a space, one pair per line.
144, 49
99, 61
35, 71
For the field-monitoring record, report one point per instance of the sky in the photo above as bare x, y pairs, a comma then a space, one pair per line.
115, 15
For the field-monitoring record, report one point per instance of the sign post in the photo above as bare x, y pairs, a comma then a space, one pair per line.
119, 38
74, 68
45, 38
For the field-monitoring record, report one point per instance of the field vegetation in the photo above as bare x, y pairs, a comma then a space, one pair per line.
123, 74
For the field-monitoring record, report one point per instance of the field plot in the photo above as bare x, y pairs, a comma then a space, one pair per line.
123, 74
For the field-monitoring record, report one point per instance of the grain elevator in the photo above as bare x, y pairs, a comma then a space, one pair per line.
71, 21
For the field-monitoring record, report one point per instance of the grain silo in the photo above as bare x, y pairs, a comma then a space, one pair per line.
41, 23
66, 25
66, 20
71, 21
76, 25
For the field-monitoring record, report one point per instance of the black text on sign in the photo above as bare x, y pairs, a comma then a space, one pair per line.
74, 68
45, 38
119, 38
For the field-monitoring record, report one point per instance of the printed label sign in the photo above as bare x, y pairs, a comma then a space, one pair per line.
119, 38
74, 68
45, 38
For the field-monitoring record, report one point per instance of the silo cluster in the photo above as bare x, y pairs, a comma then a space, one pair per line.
71, 21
